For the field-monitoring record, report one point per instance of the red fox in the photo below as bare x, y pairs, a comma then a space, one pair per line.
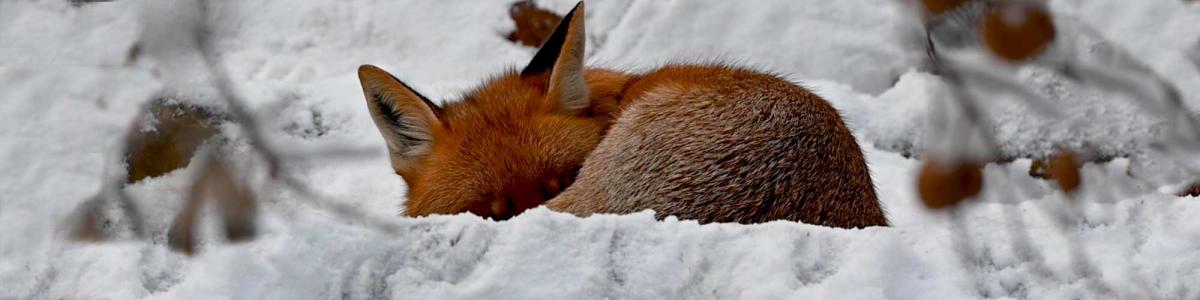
710, 143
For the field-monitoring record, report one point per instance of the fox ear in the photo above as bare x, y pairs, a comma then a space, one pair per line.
562, 56
405, 118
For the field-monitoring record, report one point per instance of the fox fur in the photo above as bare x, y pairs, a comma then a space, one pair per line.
712, 143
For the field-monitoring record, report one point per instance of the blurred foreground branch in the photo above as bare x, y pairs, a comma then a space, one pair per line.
1020, 33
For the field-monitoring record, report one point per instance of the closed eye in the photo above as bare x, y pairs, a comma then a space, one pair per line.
548, 192
569, 177
555, 186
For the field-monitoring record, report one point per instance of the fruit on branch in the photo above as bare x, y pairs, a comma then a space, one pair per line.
937, 7
941, 187
1016, 31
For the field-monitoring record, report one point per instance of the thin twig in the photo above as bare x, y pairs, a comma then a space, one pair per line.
112, 189
255, 138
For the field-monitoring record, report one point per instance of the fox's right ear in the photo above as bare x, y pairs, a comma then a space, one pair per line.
561, 55
405, 118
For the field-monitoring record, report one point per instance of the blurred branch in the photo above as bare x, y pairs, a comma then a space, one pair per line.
1018, 43
220, 78
237, 205
1081, 263
204, 39
87, 217
1193, 54
961, 239
969, 107
988, 78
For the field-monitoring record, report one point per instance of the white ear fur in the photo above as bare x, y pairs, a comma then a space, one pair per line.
562, 56
404, 118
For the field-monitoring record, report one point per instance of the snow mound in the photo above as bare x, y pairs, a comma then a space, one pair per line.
1142, 245
74, 77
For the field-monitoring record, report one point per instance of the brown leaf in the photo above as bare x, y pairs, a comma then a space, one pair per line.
1064, 169
534, 24
87, 226
1038, 169
182, 235
1192, 190
1017, 31
178, 132
237, 206
134, 53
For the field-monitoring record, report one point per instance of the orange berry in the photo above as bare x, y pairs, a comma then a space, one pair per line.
1015, 31
970, 176
937, 7
940, 188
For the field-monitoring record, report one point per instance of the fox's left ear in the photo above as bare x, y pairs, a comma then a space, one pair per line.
562, 56
406, 119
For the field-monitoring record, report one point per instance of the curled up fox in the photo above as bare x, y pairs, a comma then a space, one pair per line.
712, 143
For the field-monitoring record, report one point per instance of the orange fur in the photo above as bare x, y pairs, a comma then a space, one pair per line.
500, 153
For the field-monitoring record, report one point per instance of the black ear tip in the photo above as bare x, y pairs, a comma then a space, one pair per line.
548, 53
578, 7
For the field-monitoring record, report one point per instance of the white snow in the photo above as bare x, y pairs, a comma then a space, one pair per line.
69, 93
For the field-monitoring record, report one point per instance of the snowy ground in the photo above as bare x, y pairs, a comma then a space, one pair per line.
69, 93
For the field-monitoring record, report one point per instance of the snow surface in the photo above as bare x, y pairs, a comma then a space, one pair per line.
70, 93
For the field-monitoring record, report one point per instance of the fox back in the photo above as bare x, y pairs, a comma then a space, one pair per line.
710, 143
721, 144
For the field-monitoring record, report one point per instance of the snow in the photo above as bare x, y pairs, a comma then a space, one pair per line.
70, 92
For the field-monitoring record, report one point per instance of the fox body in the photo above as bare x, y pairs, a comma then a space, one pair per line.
711, 143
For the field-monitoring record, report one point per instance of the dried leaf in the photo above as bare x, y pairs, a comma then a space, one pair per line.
1017, 31
134, 53
534, 24
237, 206
1192, 190
1064, 169
178, 132
87, 226
182, 235
1038, 169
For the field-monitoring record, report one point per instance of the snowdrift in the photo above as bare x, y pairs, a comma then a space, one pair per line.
71, 87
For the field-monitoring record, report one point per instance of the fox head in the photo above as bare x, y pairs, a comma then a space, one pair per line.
507, 146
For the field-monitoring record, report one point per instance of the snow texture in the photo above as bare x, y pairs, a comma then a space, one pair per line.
71, 88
